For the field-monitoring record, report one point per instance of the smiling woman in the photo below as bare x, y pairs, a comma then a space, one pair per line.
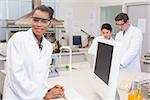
40, 21
28, 60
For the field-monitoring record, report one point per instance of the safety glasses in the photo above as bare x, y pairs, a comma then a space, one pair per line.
41, 20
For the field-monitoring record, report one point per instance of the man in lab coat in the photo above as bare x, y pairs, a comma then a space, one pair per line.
131, 39
28, 60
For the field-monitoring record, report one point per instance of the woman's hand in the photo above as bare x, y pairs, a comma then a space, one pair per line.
55, 92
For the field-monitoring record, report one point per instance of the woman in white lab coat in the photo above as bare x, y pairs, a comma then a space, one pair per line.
28, 60
106, 31
131, 39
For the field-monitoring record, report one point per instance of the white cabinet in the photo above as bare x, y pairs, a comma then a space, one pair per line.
76, 57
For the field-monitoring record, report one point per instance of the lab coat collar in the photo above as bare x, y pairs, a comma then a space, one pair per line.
129, 28
33, 38
31, 33
41, 42
125, 32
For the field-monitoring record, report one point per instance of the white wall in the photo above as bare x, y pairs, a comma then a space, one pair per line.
84, 14
79, 15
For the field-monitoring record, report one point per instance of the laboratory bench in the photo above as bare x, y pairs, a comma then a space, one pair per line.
80, 80
78, 55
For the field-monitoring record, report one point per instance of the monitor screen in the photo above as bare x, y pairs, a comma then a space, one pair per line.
77, 40
103, 61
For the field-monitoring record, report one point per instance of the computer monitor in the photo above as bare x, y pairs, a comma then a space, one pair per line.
77, 42
106, 69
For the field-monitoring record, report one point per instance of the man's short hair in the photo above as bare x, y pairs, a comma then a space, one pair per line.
122, 17
44, 8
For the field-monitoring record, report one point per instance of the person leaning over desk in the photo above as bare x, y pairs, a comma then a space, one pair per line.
131, 39
28, 59
106, 30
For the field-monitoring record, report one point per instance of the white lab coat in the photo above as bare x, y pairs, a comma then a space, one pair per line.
27, 67
131, 48
93, 48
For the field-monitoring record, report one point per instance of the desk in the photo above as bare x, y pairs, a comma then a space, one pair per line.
79, 79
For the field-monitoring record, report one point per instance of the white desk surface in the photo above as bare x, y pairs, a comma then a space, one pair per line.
79, 79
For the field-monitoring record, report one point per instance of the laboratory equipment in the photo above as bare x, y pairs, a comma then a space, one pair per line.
89, 38
70, 56
77, 42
